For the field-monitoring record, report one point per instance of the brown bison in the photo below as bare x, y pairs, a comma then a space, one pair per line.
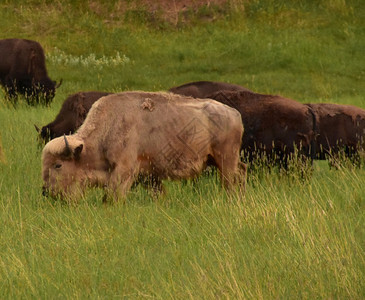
71, 116
201, 89
274, 126
23, 70
340, 127
135, 136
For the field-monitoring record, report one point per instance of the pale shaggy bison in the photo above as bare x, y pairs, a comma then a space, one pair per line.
139, 136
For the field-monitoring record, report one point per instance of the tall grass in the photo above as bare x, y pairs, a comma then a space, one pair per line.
287, 237
283, 239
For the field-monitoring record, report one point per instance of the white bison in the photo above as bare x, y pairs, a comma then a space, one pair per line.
134, 137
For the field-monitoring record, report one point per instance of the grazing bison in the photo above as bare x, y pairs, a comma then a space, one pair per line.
23, 70
274, 126
340, 127
72, 114
201, 89
143, 137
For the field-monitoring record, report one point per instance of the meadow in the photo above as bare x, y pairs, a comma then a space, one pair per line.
287, 237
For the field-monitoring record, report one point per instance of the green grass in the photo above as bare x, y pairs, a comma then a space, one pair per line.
286, 238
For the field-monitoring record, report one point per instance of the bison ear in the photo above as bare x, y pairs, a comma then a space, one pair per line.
37, 128
77, 151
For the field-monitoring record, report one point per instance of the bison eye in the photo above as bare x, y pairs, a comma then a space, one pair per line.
57, 166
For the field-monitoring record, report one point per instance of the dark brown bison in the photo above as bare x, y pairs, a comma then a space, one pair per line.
133, 136
275, 127
71, 116
340, 127
201, 89
23, 70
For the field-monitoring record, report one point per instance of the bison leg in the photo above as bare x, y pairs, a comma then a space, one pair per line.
242, 175
117, 192
11, 89
227, 162
154, 184
120, 182
151, 183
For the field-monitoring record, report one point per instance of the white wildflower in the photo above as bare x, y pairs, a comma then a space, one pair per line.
61, 58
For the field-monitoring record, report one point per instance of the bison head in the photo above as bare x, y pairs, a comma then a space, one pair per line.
61, 171
45, 88
48, 88
41, 91
44, 134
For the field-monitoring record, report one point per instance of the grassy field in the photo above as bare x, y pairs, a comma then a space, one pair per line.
286, 238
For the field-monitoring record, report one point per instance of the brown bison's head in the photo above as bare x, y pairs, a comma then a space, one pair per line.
46, 89
54, 129
41, 91
62, 175
46, 133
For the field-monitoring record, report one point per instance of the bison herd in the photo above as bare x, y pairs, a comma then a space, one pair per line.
115, 140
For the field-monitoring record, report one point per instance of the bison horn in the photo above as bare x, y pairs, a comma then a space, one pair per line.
59, 84
68, 149
37, 128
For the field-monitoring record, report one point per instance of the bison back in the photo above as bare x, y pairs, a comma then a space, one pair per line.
272, 123
201, 89
166, 133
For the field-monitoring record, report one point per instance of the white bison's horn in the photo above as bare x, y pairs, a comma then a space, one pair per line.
68, 149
